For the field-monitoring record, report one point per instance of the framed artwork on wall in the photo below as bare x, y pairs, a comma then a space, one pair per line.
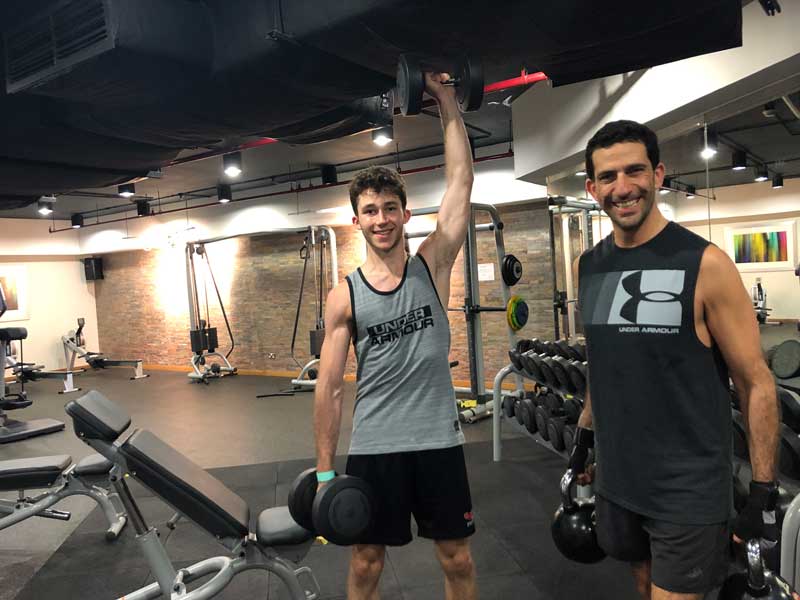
762, 246
14, 281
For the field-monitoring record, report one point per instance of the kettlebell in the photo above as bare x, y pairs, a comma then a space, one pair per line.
756, 582
573, 527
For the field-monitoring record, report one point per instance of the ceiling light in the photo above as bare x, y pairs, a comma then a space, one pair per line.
383, 135
710, 143
126, 190
739, 160
690, 191
77, 221
580, 173
45, 205
666, 185
224, 193
769, 110
232, 164
777, 181
761, 173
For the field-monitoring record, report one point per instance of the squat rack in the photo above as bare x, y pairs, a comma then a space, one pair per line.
203, 337
471, 308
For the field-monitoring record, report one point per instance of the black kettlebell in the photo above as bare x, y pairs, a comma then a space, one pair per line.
573, 526
756, 582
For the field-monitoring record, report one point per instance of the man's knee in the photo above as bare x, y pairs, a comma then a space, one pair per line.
366, 562
455, 558
642, 577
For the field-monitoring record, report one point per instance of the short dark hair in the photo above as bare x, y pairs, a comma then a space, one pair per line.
622, 131
377, 179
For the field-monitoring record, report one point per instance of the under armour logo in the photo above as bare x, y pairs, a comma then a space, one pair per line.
648, 297
633, 285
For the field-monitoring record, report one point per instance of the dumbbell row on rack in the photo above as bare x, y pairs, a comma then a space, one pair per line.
547, 413
548, 364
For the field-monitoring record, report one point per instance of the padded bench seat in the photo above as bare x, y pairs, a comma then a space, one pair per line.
32, 473
13, 334
94, 464
95, 417
276, 527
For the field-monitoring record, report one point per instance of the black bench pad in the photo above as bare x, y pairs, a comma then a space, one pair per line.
11, 334
276, 527
27, 473
96, 417
189, 489
94, 464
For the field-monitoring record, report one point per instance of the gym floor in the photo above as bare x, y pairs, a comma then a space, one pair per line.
223, 426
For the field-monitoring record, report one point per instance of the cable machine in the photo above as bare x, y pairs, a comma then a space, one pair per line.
320, 241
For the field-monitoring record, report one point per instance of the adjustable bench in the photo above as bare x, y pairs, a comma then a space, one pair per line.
61, 478
276, 545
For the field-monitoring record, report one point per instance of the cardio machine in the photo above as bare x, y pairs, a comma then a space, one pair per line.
75, 347
12, 430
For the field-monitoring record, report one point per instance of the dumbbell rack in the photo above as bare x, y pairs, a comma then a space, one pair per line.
557, 401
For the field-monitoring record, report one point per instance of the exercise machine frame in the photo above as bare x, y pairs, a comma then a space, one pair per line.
75, 347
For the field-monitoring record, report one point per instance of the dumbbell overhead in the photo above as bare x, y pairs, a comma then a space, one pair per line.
341, 511
468, 82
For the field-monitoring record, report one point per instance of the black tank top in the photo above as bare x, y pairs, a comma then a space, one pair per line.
659, 396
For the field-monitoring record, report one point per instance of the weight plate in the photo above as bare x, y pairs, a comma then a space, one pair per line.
343, 510
786, 359
410, 86
301, 498
469, 91
511, 269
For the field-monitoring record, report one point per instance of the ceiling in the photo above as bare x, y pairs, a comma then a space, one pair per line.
167, 80
770, 138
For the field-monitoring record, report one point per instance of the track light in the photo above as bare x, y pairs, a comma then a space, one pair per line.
224, 193
777, 181
383, 135
142, 208
739, 160
761, 173
666, 185
77, 221
329, 175
45, 205
710, 143
232, 164
580, 173
690, 192
126, 190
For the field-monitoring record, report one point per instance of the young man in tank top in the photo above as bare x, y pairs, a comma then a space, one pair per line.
406, 440
667, 322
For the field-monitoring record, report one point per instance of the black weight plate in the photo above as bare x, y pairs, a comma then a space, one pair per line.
740, 449
555, 428
528, 415
577, 375
518, 412
301, 498
573, 409
790, 408
550, 349
580, 351
508, 406
532, 362
524, 346
568, 436
469, 90
553, 402
410, 86
511, 269
562, 349
560, 365
537, 345
343, 510
547, 370
542, 415
513, 355
786, 359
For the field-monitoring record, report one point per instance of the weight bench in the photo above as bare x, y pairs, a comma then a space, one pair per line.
61, 478
276, 545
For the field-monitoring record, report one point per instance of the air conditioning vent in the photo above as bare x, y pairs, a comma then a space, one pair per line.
69, 33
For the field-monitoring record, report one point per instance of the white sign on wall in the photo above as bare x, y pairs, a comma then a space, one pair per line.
485, 271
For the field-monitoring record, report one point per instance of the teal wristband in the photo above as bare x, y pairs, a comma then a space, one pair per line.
325, 476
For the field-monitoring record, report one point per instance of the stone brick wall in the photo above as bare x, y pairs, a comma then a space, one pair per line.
142, 305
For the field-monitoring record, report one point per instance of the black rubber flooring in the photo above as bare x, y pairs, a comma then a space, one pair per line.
512, 548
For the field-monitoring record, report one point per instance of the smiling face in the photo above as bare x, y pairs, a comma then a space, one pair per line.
381, 219
625, 184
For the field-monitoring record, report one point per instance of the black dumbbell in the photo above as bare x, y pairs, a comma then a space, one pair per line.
468, 82
577, 375
341, 511
528, 414
560, 369
518, 412
580, 351
546, 367
555, 429
572, 408
568, 435
508, 406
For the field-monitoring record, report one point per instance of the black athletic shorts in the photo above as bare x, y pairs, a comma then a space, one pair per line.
685, 559
430, 484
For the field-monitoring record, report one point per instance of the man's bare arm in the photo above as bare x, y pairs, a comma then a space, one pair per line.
330, 381
732, 324
441, 247
585, 418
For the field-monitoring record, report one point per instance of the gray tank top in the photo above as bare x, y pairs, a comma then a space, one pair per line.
405, 399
